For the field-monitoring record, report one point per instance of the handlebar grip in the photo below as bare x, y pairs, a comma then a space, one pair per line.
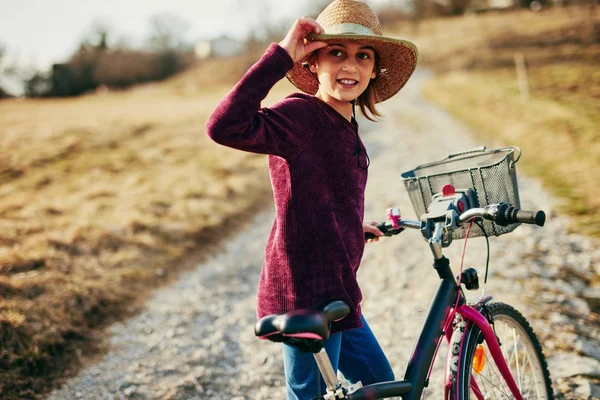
385, 229
507, 215
531, 217
369, 235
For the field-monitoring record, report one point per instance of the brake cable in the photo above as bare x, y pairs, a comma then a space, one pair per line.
487, 261
462, 261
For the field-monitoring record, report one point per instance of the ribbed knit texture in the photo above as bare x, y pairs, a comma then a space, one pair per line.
317, 239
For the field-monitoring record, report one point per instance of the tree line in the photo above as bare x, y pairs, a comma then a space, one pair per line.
97, 63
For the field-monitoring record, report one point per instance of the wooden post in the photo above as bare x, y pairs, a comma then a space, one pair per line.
522, 76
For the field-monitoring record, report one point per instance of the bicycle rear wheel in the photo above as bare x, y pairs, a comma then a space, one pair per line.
479, 377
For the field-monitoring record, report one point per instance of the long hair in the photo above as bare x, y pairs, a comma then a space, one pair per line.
366, 102
368, 98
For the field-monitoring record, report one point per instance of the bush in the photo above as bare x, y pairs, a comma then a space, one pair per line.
3, 94
92, 67
121, 69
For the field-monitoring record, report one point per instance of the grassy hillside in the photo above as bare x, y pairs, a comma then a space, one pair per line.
102, 197
557, 127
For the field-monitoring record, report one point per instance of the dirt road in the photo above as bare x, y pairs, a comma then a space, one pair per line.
195, 339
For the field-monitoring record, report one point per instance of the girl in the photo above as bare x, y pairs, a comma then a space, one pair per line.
318, 168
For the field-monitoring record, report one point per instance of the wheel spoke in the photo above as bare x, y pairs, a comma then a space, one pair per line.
523, 368
475, 388
495, 386
494, 369
516, 351
519, 348
492, 381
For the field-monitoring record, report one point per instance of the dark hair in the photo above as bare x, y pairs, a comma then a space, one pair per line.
366, 102
368, 98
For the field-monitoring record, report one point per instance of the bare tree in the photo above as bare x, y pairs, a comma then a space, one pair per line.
99, 35
168, 32
13, 73
4, 68
3, 94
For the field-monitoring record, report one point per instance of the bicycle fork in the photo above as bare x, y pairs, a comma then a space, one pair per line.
470, 314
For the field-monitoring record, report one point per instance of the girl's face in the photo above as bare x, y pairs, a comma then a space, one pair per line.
344, 71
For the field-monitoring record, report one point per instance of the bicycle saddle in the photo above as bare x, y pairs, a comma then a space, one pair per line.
306, 323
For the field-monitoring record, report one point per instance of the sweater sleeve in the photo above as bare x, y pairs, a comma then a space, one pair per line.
240, 123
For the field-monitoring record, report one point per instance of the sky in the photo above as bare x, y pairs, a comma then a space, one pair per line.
38, 33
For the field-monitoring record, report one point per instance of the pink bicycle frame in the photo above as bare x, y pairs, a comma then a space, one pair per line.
471, 314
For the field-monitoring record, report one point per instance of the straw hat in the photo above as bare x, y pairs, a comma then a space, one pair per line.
354, 21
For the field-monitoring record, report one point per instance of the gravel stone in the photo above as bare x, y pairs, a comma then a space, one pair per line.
587, 390
588, 348
565, 365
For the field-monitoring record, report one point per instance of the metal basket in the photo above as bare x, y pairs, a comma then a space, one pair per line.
490, 173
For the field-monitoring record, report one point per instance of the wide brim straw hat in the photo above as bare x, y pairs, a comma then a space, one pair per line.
353, 21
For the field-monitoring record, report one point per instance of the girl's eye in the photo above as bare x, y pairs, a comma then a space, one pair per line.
336, 53
364, 56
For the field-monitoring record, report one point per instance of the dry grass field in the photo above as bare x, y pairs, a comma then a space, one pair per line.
557, 128
103, 197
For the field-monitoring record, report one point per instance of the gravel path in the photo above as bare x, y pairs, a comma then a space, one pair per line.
195, 338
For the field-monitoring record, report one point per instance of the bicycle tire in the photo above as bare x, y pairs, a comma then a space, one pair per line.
522, 352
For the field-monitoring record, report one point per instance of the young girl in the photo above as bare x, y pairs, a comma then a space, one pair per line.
318, 168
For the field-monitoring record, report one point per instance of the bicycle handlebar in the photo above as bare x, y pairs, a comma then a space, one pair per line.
506, 214
502, 214
388, 230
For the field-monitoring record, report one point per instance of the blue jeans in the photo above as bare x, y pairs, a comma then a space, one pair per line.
355, 353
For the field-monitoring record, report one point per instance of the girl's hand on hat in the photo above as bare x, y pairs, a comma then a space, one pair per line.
294, 42
371, 228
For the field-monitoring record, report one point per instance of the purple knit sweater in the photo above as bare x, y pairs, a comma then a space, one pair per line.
317, 239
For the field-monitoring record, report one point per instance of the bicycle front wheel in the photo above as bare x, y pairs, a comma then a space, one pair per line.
479, 376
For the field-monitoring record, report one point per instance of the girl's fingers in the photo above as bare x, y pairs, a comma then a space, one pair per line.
312, 46
294, 42
305, 25
372, 229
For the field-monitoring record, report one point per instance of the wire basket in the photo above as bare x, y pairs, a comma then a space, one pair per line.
491, 174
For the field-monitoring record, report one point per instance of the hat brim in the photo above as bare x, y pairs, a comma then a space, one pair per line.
397, 62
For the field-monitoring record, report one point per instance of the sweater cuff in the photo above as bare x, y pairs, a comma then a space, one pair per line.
276, 51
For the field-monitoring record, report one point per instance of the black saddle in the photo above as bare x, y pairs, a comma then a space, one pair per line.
304, 329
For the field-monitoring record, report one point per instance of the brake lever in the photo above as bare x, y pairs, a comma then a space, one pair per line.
386, 229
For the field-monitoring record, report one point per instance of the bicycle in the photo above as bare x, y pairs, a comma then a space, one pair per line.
493, 351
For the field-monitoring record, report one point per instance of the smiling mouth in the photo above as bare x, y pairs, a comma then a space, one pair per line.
349, 83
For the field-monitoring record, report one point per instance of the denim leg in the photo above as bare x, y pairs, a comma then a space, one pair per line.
302, 376
362, 359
